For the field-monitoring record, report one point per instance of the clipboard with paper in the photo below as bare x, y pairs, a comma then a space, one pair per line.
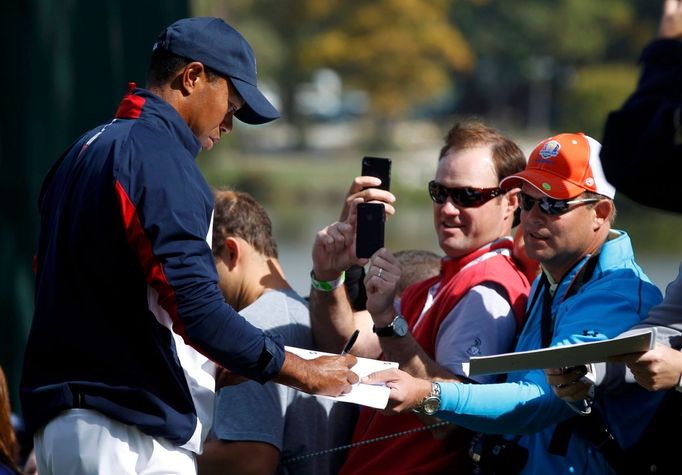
562, 356
365, 394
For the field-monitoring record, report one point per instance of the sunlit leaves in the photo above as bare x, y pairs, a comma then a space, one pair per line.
401, 51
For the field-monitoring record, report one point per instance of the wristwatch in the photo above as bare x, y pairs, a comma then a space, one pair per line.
431, 403
398, 327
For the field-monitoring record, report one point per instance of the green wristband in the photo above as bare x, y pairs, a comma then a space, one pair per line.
327, 286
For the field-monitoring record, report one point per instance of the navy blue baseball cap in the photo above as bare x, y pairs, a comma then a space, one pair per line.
217, 45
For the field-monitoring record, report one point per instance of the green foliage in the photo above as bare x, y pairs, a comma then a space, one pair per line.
649, 228
576, 31
547, 64
401, 58
593, 93
399, 51
534, 46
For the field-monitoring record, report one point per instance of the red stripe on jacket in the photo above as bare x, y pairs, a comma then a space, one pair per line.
152, 268
131, 105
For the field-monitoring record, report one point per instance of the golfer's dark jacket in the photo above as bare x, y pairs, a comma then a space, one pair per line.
127, 304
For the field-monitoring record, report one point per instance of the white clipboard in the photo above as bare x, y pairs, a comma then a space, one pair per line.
371, 395
562, 356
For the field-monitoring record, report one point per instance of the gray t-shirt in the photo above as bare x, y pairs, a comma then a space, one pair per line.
294, 422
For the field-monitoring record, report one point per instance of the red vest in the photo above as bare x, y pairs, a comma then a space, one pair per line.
420, 452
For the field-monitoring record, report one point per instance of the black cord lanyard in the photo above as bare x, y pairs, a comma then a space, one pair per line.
591, 426
547, 317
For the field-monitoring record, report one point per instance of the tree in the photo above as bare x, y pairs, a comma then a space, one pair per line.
401, 52
552, 47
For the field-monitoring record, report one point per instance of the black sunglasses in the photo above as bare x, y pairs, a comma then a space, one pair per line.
551, 206
464, 196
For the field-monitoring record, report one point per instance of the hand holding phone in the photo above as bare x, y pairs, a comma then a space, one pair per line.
369, 229
380, 168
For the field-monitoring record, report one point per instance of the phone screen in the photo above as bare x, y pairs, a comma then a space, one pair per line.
369, 231
380, 168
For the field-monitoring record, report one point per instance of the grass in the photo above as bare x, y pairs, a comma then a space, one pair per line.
300, 186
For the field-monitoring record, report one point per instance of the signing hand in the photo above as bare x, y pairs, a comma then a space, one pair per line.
326, 375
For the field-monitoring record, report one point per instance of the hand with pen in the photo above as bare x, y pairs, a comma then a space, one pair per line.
327, 375
351, 341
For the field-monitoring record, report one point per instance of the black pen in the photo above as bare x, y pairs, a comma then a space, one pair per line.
351, 342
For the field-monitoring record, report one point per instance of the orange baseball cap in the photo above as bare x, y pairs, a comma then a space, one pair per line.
562, 167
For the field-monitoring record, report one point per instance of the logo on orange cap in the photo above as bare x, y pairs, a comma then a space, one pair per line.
550, 149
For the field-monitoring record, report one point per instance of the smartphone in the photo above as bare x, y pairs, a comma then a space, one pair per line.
369, 230
380, 168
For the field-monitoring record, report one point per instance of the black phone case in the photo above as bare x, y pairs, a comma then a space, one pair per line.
369, 236
380, 168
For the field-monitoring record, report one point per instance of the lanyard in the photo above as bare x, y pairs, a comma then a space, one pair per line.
547, 318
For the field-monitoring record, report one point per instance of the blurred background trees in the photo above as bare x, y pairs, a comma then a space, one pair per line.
388, 77
558, 64
533, 64
399, 54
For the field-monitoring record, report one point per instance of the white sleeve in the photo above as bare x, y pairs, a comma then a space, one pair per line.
482, 323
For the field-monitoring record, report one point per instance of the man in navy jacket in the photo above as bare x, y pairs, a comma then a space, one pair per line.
118, 376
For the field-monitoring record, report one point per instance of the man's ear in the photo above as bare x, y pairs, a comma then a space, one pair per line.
191, 75
512, 201
231, 252
603, 210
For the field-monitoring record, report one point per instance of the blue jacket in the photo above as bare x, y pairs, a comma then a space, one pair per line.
127, 304
616, 297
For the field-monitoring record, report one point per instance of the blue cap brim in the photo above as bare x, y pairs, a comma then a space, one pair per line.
257, 109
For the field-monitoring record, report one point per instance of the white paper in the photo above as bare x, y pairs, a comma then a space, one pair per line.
561, 356
366, 394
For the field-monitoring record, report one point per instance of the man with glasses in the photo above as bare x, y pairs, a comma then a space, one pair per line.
590, 289
472, 308
643, 169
